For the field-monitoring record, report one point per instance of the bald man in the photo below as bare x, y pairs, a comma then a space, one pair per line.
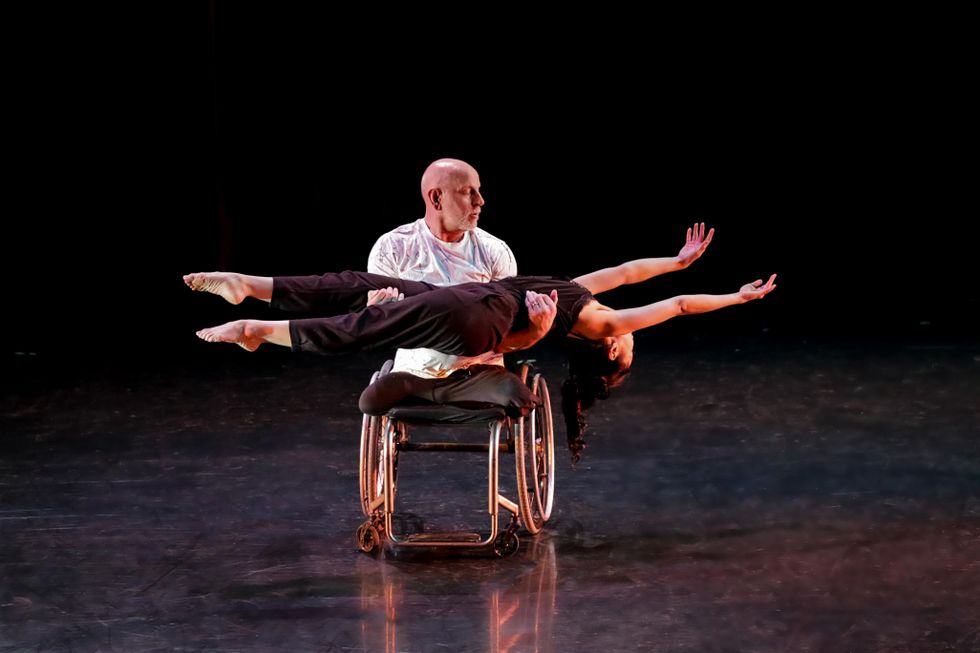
446, 247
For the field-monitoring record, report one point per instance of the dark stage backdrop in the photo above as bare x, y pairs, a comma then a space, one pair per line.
219, 138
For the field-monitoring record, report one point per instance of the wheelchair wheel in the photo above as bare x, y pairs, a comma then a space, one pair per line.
371, 463
368, 464
544, 450
535, 460
367, 537
505, 544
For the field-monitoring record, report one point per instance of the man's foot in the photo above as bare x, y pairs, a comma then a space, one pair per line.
229, 285
236, 332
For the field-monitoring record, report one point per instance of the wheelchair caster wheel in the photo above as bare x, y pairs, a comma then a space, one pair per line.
505, 544
367, 537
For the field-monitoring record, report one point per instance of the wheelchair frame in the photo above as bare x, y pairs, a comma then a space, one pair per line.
530, 438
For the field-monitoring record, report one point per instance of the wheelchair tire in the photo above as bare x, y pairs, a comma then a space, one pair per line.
535, 461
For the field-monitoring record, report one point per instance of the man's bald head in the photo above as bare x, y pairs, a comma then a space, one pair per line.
451, 191
443, 172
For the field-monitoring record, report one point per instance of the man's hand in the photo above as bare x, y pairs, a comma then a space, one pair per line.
541, 310
696, 243
383, 295
756, 290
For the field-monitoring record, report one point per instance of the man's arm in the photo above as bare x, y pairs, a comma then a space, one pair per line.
647, 268
381, 261
541, 311
505, 265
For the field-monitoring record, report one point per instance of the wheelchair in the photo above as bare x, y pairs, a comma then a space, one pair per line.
530, 439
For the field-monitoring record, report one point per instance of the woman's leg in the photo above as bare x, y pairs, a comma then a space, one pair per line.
332, 292
249, 334
465, 320
233, 287
336, 292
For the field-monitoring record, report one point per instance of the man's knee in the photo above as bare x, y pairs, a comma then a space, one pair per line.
370, 401
512, 386
522, 401
389, 391
382, 395
511, 392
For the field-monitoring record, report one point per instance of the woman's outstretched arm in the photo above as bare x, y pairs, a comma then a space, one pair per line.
605, 323
647, 268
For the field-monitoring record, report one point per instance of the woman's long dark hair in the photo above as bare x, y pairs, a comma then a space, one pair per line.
591, 375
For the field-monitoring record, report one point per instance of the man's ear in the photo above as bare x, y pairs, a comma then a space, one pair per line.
434, 196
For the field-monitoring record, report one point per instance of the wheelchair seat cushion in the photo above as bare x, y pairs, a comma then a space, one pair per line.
468, 413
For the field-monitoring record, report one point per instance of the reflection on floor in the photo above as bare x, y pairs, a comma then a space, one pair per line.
791, 498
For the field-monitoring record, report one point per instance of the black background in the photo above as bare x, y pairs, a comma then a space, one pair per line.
215, 137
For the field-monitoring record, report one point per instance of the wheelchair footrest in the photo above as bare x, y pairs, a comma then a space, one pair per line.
443, 537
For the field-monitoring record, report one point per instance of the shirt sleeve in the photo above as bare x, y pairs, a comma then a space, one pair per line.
381, 259
506, 264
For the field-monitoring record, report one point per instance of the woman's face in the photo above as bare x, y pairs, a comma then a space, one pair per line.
620, 348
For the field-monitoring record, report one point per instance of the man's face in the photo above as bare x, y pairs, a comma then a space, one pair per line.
461, 202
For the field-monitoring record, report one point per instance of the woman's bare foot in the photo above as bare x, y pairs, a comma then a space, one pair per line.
230, 285
236, 332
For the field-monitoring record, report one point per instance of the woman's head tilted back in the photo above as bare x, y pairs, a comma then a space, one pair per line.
595, 367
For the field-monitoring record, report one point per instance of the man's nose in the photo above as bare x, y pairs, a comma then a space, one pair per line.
478, 199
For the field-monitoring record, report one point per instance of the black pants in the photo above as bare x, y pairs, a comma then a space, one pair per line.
477, 384
464, 320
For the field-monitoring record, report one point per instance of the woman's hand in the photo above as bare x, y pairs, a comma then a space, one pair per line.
696, 243
756, 289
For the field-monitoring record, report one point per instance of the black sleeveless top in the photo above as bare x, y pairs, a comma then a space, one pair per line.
572, 297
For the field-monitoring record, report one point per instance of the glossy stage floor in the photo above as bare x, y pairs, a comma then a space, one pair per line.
796, 497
